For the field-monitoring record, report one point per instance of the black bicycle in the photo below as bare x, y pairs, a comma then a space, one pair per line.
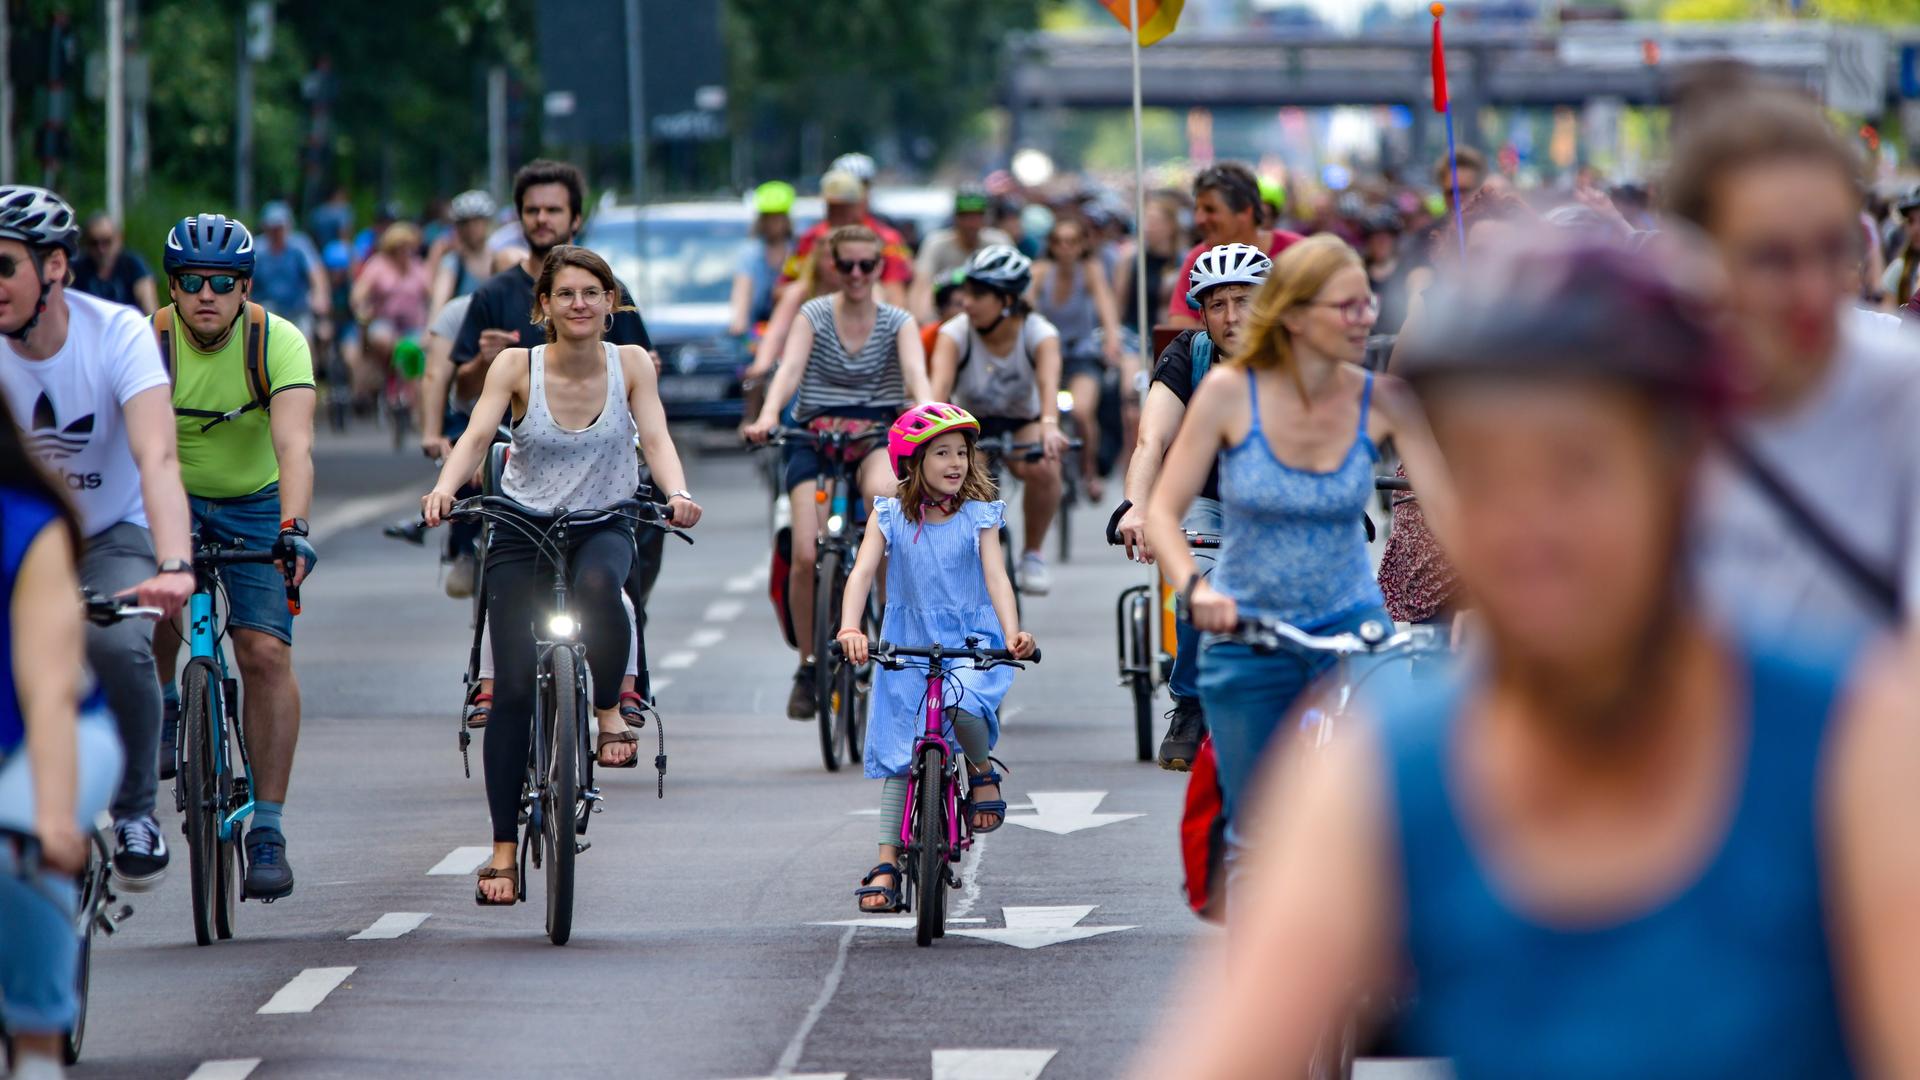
841, 691
559, 796
1000, 449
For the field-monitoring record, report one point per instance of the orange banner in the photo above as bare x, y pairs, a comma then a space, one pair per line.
1157, 17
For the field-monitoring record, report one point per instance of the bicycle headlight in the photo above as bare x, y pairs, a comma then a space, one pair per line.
1064, 399
562, 626
835, 523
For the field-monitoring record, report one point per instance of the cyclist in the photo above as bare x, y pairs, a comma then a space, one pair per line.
390, 299
852, 362
762, 259
1226, 205
58, 764
108, 270
86, 384
249, 481
945, 586
1000, 361
1225, 280
579, 403
1622, 812
468, 261
846, 201
1292, 420
288, 277
1071, 288
946, 250
1811, 513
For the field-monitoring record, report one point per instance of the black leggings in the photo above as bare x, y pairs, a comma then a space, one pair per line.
519, 585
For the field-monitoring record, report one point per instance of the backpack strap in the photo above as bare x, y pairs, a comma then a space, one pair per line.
162, 321
1201, 349
1876, 586
258, 380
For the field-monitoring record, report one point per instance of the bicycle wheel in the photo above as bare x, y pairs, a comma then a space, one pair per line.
1013, 571
930, 847
861, 681
93, 881
1142, 688
826, 597
201, 818
565, 722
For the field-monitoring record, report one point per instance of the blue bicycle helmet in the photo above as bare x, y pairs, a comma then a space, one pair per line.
209, 242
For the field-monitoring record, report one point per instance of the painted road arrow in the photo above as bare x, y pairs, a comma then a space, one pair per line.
1063, 812
1038, 927
967, 1065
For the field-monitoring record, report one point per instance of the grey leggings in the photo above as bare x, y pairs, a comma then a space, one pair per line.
971, 730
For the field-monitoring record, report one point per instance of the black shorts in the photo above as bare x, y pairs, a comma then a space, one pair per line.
992, 427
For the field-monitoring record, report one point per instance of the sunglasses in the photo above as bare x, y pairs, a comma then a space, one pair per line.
865, 266
10, 266
191, 284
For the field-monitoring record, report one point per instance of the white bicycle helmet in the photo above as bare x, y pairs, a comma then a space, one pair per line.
469, 205
860, 165
38, 218
1002, 268
1228, 264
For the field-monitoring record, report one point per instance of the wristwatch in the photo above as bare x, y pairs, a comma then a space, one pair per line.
296, 526
682, 494
176, 566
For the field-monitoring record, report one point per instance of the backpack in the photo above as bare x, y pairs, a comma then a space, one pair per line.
1203, 837
1201, 348
256, 354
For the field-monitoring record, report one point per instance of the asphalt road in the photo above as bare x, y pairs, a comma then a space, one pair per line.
713, 936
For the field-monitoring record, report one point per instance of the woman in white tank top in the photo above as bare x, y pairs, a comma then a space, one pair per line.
576, 405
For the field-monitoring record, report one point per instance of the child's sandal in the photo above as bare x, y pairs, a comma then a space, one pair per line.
892, 895
997, 807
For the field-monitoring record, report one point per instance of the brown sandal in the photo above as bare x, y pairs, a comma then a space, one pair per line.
490, 873
610, 737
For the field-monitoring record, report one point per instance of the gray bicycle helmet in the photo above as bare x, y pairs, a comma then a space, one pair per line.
209, 242
1227, 264
860, 165
1000, 268
39, 219
469, 205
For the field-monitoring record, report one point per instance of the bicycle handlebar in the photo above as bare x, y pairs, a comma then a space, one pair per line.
214, 555
820, 439
639, 511
1392, 483
1004, 446
1198, 541
107, 610
887, 651
1372, 637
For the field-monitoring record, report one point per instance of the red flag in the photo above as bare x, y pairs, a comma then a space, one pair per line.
1439, 62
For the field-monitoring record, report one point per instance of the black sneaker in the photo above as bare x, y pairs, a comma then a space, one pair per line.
1185, 727
139, 853
268, 875
801, 704
169, 738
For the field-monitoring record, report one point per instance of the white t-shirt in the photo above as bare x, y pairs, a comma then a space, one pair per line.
1851, 453
988, 384
68, 407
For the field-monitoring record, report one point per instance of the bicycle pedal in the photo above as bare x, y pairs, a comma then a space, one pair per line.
580, 846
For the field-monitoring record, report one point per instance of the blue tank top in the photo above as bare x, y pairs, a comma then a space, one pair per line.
1729, 977
23, 514
1292, 542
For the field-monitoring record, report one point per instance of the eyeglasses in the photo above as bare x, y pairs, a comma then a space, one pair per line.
864, 266
566, 297
1354, 312
191, 284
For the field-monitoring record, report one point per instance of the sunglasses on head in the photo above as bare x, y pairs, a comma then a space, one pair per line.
191, 284
865, 266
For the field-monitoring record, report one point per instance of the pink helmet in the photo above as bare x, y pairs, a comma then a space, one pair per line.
920, 425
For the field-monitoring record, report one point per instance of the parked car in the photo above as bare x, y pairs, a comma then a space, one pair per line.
678, 259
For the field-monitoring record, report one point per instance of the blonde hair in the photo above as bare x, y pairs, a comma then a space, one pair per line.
1297, 277
401, 236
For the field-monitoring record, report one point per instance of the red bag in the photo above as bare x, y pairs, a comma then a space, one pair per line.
777, 583
1203, 837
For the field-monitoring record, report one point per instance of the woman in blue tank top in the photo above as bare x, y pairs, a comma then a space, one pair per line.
1622, 842
1293, 421
58, 766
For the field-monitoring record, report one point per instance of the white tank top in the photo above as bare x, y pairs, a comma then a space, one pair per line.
553, 468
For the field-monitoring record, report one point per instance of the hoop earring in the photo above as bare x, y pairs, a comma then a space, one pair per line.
609, 322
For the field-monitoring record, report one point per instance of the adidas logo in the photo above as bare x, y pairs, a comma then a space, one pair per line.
49, 441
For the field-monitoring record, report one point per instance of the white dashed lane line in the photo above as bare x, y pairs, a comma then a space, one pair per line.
706, 638
391, 925
677, 661
724, 610
307, 990
462, 860
227, 1069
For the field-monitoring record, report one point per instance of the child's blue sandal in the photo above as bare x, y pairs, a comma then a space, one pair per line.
892, 895
997, 807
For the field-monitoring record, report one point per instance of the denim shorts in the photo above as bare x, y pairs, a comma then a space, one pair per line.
256, 592
803, 461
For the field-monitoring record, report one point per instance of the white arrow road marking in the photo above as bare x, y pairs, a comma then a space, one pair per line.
1038, 927
990, 1064
463, 860
391, 925
678, 661
725, 610
1063, 812
890, 922
228, 1069
706, 638
308, 989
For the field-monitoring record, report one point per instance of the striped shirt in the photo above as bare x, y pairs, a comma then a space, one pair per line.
834, 380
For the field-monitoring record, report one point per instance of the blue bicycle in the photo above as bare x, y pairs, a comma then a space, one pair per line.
215, 799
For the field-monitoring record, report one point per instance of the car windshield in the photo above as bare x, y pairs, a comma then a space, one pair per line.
683, 261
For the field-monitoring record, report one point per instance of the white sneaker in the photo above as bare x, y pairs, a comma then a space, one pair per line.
1035, 580
461, 574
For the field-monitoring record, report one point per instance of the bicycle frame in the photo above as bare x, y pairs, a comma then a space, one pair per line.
959, 836
203, 644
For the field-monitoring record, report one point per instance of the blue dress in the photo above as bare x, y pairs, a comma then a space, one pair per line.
936, 592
